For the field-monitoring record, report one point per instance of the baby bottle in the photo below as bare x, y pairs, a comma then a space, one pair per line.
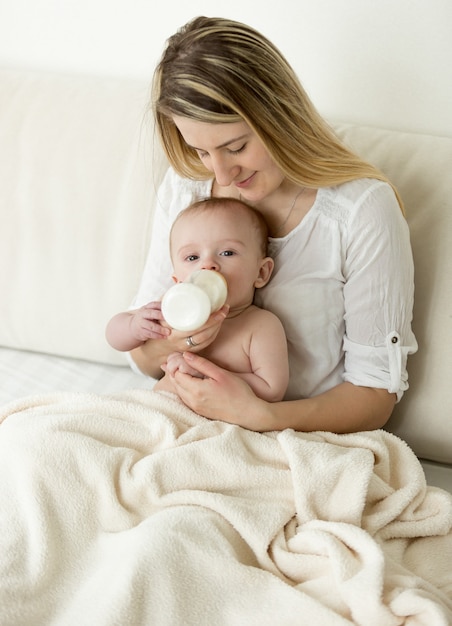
187, 306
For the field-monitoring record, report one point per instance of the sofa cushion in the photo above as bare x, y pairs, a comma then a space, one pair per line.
420, 166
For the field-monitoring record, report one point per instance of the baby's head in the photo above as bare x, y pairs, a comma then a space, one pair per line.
224, 235
227, 212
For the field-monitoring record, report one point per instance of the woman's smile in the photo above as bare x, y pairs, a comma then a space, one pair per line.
245, 183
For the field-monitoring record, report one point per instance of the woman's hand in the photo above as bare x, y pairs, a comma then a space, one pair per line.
204, 336
153, 353
226, 397
218, 394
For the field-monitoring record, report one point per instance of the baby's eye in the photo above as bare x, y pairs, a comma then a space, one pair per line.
227, 253
192, 257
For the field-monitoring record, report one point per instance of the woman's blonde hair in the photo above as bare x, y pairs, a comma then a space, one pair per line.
217, 70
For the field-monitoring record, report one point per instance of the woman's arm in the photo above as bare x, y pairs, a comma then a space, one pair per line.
151, 355
221, 395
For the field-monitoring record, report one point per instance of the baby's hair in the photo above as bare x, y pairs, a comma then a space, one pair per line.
230, 205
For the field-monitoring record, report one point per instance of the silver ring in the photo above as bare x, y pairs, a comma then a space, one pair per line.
190, 343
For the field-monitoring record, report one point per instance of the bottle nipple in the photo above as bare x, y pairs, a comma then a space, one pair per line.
187, 306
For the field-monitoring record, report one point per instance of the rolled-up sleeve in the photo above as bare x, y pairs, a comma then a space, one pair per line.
378, 293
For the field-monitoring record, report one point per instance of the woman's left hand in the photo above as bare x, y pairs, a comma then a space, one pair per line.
224, 396
218, 394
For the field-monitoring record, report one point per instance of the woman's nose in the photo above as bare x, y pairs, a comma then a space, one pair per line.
224, 173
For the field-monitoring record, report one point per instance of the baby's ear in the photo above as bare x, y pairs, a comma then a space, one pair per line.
265, 272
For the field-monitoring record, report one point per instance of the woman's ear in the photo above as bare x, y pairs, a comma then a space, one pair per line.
265, 272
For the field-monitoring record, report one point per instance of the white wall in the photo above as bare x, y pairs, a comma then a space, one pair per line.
379, 62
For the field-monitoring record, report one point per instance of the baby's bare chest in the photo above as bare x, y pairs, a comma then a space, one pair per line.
231, 348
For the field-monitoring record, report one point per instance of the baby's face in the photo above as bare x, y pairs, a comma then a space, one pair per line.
219, 241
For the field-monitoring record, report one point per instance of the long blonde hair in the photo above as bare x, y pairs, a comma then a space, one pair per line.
218, 70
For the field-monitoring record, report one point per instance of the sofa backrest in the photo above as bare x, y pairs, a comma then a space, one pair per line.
79, 169
77, 187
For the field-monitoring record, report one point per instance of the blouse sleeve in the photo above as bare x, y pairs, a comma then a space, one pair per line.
174, 195
156, 277
378, 293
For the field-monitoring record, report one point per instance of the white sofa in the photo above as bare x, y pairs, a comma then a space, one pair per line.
78, 178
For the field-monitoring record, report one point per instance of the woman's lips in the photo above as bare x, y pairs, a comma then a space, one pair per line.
245, 183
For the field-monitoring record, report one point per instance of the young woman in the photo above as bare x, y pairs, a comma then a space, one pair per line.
235, 121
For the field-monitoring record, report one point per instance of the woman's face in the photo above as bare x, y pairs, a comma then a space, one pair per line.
235, 156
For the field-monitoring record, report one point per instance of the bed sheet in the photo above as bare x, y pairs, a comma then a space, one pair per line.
25, 373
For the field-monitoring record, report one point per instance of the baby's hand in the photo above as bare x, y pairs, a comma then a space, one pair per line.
146, 323
177, 363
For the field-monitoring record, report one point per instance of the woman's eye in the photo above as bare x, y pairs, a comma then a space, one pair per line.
205, 155
238, 149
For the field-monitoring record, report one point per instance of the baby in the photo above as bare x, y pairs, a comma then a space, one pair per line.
228, 236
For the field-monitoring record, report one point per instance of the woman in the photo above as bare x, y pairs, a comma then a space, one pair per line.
235, 121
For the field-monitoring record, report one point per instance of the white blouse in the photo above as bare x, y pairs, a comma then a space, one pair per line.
343, 284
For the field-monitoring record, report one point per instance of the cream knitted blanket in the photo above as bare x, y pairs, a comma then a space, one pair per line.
132, 510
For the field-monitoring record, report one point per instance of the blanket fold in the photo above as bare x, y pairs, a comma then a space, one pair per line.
132, 509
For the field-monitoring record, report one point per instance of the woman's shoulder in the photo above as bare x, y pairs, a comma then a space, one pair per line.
176, 193
356, 199
176, 186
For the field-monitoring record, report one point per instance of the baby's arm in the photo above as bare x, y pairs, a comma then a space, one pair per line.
268, 357
130, 329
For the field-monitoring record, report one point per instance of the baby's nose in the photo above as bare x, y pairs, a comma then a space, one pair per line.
211, 265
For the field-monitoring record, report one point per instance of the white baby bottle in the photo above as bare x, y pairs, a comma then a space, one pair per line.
187, 306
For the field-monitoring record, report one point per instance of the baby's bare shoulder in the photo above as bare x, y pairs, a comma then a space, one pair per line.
263, 317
